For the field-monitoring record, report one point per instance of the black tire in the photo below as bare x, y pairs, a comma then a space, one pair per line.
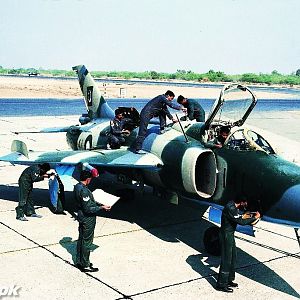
126, 194
211, 241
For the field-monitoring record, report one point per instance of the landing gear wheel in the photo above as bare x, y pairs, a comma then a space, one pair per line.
211, 241
126, 194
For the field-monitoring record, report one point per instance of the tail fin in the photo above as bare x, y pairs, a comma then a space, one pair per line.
19, 146
96, 105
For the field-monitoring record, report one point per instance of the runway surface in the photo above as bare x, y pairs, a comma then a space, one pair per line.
145, 248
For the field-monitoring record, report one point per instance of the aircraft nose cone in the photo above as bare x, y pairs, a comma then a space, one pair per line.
287, 209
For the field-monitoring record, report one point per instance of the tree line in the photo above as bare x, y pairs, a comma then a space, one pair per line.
210, 76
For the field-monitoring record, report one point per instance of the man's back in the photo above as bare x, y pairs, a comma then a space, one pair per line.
157, 103
31, 174
195, 110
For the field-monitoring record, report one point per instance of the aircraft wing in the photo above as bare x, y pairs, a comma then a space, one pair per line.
107, 159
58, 129
45, 130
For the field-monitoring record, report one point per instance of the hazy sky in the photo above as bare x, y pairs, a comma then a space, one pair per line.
233, 36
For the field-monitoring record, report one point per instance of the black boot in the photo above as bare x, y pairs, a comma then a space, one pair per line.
225, 289
232, 284
20, 214
90, 268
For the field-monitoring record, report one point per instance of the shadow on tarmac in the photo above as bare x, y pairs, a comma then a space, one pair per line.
11, 193
260, 273
169, 223
70, 245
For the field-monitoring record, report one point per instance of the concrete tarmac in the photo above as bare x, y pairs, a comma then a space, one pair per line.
145, 248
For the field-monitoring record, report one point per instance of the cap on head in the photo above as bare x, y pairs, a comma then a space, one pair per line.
94, 172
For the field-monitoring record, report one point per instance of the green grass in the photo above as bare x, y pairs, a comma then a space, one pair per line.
210, 76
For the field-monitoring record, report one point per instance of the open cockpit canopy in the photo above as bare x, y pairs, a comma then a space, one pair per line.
233, 106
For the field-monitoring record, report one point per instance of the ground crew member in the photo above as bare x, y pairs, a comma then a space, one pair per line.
30, 175
194, 109
219, 141
231, 216
88, 209
117, 131
157, 107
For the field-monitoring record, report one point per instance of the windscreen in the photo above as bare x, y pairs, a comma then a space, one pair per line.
234, 105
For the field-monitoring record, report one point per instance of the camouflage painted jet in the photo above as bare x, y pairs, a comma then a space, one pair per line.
178, 161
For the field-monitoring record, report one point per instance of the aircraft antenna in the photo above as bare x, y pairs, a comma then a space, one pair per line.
186, 139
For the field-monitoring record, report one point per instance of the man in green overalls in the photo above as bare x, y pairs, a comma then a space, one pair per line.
231, 216
194, 109
30, 175
88, 209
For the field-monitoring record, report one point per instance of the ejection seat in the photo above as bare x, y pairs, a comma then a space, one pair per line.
130, 121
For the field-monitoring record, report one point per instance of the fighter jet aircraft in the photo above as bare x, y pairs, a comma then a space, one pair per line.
178, 163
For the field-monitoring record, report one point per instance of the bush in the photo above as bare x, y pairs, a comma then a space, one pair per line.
211, 76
